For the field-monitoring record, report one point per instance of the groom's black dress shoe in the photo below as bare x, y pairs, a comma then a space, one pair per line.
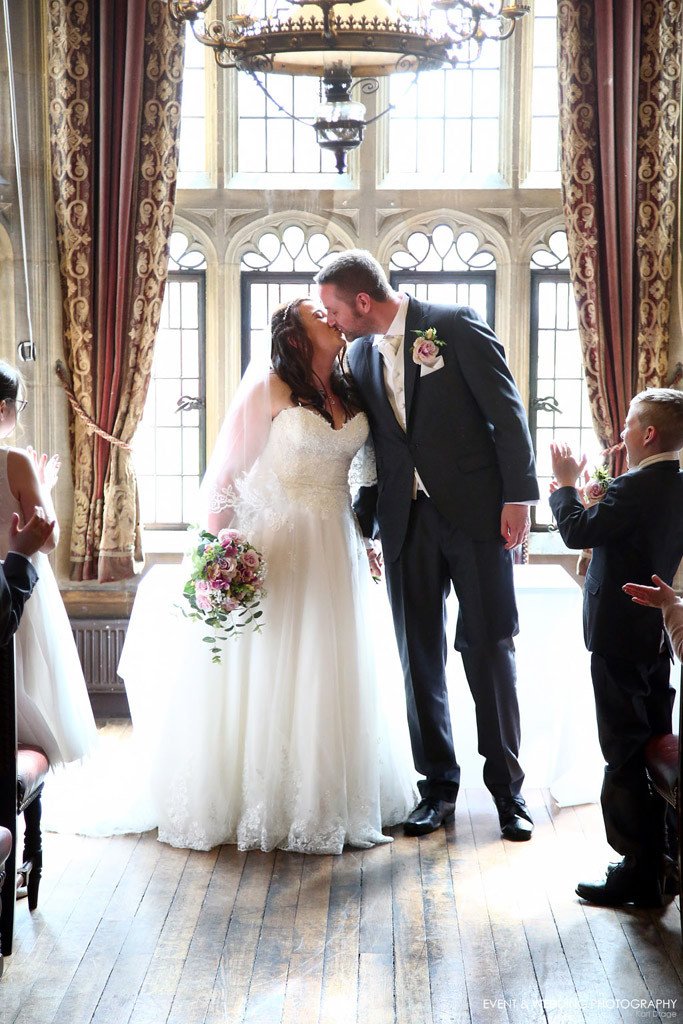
515, 820
624, 883
430, 814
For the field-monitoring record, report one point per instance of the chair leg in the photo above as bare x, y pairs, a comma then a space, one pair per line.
8, 893
2, 882
679, 814
32, 867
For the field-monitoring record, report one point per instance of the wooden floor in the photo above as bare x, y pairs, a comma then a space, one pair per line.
459, 926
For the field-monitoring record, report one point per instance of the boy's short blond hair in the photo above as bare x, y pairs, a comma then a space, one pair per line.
662, 408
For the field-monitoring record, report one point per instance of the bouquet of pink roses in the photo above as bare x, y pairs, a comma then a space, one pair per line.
226, 586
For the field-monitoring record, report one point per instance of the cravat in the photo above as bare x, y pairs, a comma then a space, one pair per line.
389, 347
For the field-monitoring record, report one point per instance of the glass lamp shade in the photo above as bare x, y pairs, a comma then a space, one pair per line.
340, 121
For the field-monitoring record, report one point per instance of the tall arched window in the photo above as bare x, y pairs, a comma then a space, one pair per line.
277, 270
448, 268
169, 445
559, 406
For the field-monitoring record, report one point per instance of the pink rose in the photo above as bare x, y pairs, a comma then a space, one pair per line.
595, 490
250, 559
229, 537
203, 601
425, 352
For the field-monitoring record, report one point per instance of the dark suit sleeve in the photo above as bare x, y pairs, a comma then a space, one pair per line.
482, 362
615, 516
365, 507
17, 580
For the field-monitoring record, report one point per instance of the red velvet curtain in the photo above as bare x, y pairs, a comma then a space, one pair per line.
619, 71
115, 80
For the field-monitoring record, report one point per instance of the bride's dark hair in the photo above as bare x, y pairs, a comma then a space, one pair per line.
291, 353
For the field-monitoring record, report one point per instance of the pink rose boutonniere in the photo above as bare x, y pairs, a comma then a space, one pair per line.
596, 488
425, 350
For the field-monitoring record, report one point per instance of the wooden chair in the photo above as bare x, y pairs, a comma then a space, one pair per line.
664, 759
22, 773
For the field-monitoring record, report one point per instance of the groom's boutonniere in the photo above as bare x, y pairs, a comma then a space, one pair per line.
426, 349
596, 488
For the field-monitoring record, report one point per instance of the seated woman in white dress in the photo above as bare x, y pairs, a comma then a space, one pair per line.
285, 743
53, 708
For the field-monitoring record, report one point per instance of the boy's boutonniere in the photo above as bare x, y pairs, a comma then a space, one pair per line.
596, 488
426, 349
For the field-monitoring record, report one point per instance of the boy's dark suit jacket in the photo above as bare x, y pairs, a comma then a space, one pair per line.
635, 531
467, 432
17, 580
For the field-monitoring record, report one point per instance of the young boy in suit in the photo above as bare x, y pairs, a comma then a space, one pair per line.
635, 530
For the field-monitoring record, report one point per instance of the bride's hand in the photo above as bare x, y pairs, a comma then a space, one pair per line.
375, 560
46, 469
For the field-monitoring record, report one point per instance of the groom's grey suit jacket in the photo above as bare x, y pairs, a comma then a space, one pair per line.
467, 432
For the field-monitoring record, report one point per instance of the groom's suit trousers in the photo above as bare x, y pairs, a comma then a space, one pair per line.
435, 555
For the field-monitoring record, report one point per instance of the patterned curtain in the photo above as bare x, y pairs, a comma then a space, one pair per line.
620, 75
115, 77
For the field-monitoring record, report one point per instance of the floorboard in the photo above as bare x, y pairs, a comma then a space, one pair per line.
460, 927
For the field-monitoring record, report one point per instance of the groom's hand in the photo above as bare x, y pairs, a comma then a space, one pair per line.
514, 525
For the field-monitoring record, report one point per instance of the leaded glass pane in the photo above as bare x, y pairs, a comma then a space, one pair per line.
192, 150
286, 268
448, 121
439, 268
545, 139
168, 445
270, 141
560, 409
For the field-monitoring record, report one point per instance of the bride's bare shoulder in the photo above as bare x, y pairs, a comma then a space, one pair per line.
280, 395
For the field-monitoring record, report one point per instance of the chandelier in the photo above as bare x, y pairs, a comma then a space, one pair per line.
357, 40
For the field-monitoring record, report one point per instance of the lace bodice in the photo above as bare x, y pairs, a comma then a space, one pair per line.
311, 460
305, 464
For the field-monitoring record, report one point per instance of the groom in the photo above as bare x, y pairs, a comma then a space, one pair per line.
455, 474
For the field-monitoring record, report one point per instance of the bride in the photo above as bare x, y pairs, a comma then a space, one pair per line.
286, 742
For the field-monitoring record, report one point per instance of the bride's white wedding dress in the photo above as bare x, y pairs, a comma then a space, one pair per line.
291, 741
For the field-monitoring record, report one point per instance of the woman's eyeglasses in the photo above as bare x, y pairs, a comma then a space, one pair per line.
19, 403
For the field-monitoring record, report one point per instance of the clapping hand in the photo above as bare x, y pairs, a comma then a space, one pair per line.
659, 596
566, 469
47, 470
554, 486
31, 537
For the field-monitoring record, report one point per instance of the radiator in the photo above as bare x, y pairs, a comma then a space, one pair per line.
99, 643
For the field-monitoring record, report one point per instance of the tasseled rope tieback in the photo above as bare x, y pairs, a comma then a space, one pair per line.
90, 425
